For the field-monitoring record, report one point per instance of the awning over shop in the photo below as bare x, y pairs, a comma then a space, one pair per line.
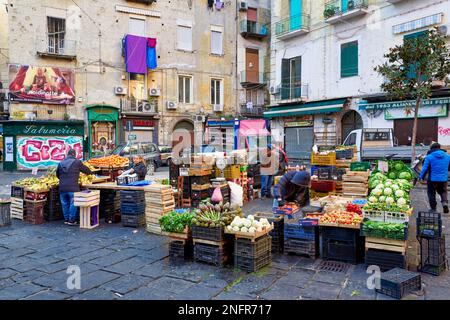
317, 107
253, 128
403, 104
220, 123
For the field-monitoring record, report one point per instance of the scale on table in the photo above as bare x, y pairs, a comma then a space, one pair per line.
221, 164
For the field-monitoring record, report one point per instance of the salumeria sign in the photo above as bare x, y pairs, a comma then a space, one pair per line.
33, 129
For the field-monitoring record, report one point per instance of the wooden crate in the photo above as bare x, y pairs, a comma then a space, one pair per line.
87, 199
386, 244
250, 236
89, 217
17, 208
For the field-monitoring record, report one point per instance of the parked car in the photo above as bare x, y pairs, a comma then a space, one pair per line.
149, 151
166, 154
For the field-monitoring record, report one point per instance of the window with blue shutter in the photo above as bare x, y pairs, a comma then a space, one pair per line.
349, 59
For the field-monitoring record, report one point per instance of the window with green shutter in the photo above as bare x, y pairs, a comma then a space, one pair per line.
413, 37
349, 59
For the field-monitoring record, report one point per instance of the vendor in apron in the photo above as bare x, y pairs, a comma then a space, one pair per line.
293, 187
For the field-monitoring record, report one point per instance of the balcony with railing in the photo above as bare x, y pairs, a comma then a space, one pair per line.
337, 11
394, 1
292, 26
56, 47
138, 107
253, 29
251, 78
297, 92
251, 111
142, 1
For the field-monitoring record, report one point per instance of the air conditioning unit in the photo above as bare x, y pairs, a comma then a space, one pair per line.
243, 6
274, 90
199, 118
120, 90
170, 105
218, 107
147, 107
153, 92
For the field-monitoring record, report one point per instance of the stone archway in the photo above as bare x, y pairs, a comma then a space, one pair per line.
351, 120
183, 125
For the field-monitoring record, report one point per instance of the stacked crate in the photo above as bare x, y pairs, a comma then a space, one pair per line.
17, 196
355, 183
132, 208
211, 245
324, 167
110, 204
53, 209
277, 233
34, 203
433, 259
398, 282
252, 254
224, 189
181, 249
301, 238
159, 200
254, 172
342, 244
5, 213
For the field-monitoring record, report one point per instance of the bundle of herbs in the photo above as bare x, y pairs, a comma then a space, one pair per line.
176, 222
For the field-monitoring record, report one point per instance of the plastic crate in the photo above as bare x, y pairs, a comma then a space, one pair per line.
200, 180
323, 160
17, 192
429, 225
397, 282
132, 196
433, 259
302, 247
179, 249
247, 248
344, 153
36, 196
385, 234
323, 186
132, 208
346, 251
386, 260
396, 217
360, 166
204, 233
134, 221
340, 234
323, 172
293, 230
373, 215
231, 172
122, 181
211, 254
251, 264
5, 214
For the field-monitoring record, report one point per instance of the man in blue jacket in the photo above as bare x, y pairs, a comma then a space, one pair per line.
293, 187
436, 165
68, 173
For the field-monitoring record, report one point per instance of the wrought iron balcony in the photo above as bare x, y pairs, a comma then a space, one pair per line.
251, 78
291, 93
142, 1
56, 46
248, 110
253, 29
292, 26
337, 11
130, 106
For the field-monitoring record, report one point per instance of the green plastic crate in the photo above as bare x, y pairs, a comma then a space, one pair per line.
360, 166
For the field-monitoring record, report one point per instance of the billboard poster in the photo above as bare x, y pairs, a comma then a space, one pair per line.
44, 152
9, 149
49, 85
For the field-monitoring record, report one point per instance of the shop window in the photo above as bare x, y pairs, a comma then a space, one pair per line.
185, 90
216, 40
349, 59
184, 35
216, 91
137, 27
56, 32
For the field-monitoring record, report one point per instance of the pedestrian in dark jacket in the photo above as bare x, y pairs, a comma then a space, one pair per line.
293, 187
436, 165
68, 173
139, 167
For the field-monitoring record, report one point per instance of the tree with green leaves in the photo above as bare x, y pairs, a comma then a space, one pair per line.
413, 68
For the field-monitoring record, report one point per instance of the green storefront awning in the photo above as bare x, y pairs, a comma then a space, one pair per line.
403, 104
329, 106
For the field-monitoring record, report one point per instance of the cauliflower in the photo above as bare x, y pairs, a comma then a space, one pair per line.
264, 221
244, 229
250, 217
230, 228
251, 230
387, 191
247, 223
401, 202
236, 221
390, 200
256, 224
235, 228
399, 193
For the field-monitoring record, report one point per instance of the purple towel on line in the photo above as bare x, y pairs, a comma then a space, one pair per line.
136, 54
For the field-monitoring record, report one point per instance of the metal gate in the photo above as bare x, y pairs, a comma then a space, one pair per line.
298, 142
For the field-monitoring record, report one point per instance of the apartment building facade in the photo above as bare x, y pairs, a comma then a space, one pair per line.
323, 84
129, 70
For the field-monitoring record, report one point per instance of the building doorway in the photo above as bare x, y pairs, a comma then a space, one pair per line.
350, 121
427, 131
183, 132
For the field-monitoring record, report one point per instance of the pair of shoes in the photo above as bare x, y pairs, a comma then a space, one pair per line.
445, 209
73, 223
66, 222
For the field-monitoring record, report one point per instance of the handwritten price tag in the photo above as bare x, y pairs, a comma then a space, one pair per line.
383, 166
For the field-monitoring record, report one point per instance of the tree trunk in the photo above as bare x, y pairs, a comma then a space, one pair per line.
414, 133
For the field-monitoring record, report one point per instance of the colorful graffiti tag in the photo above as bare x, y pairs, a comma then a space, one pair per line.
46, 152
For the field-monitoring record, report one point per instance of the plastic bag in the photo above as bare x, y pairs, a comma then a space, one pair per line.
236, 194
217, 195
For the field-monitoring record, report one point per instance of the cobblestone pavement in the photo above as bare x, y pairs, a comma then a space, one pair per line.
119, 263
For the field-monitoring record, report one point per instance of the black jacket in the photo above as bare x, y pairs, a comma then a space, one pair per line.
290, 192
68, 173
140, 169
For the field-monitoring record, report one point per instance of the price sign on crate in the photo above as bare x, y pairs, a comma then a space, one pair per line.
383, 166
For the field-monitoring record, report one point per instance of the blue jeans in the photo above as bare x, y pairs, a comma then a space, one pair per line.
69, 210
266, 185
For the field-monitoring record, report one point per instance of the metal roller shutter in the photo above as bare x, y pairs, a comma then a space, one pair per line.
298, 142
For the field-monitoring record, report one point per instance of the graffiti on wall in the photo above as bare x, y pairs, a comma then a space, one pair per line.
46, 152
444, 131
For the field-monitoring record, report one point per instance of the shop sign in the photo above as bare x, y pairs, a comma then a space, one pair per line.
140, 123
304, 121
46, 152
132, 137
49, 85
408, 112
404, 104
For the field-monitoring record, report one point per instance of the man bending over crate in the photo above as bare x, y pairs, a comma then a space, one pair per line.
68, 173
293, 187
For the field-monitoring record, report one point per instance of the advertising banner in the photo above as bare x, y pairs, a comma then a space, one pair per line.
49, 85
47, 151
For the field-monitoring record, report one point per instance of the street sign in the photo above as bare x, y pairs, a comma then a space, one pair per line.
132, 137
129, 126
